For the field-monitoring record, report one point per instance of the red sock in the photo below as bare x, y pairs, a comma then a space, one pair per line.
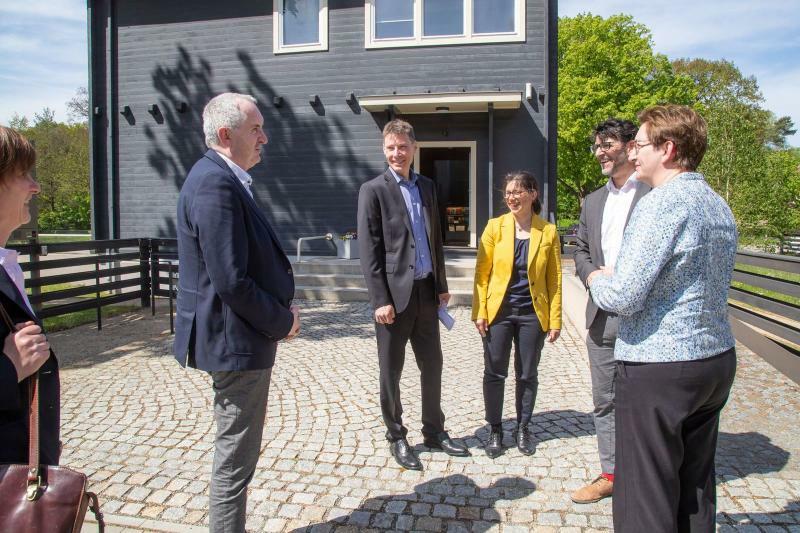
609, 477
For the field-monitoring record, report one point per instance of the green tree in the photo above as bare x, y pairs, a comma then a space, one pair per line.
606, 67
778, 129
62, 170
746, 161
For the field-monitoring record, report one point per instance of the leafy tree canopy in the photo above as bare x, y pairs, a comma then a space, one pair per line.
607, 68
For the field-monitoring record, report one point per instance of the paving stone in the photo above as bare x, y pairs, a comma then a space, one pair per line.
148, 450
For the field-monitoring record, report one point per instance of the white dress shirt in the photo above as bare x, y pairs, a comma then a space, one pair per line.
240, 173
9, 259
615, 213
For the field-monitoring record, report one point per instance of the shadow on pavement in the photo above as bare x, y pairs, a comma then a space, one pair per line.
455, 497
546, 425
742, 454
787, 517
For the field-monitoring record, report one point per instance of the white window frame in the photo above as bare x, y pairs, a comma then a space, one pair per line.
277, 31
418, 39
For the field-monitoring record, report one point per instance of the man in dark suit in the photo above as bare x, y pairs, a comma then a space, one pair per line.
234, 297
402, 259
604, 216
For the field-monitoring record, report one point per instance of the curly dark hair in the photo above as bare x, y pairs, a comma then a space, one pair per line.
615, 128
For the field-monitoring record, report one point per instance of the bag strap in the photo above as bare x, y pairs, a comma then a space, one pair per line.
34, 472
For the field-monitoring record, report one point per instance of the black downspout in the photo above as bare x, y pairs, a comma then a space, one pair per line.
550, 105
93, 189
113, 123
491, 161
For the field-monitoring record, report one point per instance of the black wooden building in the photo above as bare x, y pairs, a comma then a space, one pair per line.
476, 78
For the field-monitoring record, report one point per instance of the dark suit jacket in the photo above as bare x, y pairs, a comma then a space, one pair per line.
235, 283
589, 251
386, 242
14, 395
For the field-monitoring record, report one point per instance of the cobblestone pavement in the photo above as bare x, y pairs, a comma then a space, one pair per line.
141, 427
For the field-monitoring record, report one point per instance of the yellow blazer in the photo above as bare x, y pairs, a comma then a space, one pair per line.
496, 261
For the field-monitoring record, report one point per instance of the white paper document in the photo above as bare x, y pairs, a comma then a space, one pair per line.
446, 318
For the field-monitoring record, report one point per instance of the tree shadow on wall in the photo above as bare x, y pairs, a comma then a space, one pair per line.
308, 180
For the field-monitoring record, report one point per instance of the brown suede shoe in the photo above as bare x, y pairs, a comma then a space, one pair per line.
593, 492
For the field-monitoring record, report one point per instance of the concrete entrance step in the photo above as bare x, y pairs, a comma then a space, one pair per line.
456, 268
354, 294
353, 281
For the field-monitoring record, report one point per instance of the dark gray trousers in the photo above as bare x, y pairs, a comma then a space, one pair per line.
600, 343
667, 426
240, 406
418, 323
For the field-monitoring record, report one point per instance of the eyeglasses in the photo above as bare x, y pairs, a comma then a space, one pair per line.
514, 194
603, 147
638, 146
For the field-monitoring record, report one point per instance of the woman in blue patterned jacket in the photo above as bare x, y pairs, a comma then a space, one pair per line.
675, 350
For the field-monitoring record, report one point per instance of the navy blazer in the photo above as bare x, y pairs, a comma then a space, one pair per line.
235, 283
14, 395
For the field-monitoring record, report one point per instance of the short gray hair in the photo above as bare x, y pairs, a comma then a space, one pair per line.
223, 111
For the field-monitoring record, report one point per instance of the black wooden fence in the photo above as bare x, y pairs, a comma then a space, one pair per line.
776, 336
75, 276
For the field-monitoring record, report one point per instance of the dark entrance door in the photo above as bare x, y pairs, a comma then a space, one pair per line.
449, 168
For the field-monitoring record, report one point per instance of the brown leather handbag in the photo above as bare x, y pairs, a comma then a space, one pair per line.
42, 498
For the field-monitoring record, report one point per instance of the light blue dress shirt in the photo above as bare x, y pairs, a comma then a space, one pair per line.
671, 278
422, 250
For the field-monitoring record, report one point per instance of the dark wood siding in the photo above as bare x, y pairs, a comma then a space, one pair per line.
317, 157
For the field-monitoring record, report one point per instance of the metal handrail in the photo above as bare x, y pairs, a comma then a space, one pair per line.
327, 237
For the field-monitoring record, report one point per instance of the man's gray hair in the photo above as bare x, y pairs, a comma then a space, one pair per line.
223, 111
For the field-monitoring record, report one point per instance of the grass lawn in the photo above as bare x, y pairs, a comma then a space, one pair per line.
777, 274
87, 316
53, 239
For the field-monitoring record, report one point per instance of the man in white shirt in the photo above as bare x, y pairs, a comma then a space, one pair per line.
604, 216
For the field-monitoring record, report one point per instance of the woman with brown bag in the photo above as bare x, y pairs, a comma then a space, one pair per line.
26, 350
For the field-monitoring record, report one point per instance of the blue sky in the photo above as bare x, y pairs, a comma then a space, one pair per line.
43, 55
43, 51
761, 38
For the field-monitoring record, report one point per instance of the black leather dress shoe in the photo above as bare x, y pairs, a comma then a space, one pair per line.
494, 448
443, 442
524, 440
404, 455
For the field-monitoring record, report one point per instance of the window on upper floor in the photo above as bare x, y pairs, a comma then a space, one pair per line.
396, 23
300, 26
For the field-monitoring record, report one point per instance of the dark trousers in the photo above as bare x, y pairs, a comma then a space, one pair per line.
522, 327
418, 323
667, 418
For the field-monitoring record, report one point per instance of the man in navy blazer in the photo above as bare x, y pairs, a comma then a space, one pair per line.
234, 296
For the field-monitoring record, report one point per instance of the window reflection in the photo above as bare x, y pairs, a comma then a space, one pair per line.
394, 19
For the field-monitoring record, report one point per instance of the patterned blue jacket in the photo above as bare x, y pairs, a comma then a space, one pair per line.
671, 279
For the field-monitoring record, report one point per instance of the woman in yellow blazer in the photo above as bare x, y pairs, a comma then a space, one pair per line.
516, 297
